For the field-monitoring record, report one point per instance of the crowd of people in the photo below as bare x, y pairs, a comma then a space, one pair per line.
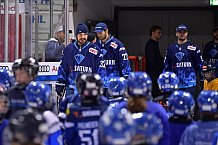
101, 101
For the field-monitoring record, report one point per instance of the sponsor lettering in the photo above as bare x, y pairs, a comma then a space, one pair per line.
44, 68
4, 67
109, 62
93, 51
114, 45
183, 64
54, 68
191, 48
82, 69
122, 48
91, 113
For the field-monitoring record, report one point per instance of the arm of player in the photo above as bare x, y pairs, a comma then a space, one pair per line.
124, 64
167, 63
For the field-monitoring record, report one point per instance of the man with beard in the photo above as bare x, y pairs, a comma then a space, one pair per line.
184, 59
210, 52
114, 52
79, 56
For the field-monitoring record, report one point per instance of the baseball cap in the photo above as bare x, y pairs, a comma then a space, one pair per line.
61, 29
82, 28
100, 27
215, 29
181, 27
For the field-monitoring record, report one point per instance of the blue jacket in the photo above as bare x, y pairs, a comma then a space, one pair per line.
184, 60
215, 141
116, 57
53, 50
200, 133
4, 139
86, 58
159, 111
81, 126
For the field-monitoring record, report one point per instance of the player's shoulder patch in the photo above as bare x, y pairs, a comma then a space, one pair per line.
122, 48
93, 51
113, 45
190, 47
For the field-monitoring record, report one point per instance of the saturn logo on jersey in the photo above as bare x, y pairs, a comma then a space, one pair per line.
79, 58
93, 51
179, 55
213, 52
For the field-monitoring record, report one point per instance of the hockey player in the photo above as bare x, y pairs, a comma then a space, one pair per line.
80, 56
114, 52
28, 127
25, 70
139, 90
181, 106
210, 52
167, 83
38, 96
203, 132
116, 128
149, 129
210, 81
81, 126
116, 90
184, 59
4, 107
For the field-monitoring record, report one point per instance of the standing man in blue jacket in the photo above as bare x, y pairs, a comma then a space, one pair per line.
184, 59
55, 46
80, 56
114, 52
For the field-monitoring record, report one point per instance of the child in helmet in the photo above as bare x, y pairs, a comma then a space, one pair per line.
210, 80
39, 97
167, 82
82, 116
139, 87
116, 90
149, 129
203, 131
116, 128
181, 105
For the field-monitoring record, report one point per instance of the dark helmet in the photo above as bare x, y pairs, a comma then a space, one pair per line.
208, 67
28, 126
30, 64
90, 87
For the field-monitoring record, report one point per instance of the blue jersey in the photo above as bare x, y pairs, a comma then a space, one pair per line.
159, 111
116, 57
200, 133
85, 58
76, 99
215, 141
116, 101
3, 133
184, 60
210, 52
81, 126
177, 127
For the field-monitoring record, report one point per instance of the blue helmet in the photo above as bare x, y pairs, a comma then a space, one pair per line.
117, 86
168, 82
181, 103
207, 101
5, 80
39, 95
139, 84
149, 129
116, 127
